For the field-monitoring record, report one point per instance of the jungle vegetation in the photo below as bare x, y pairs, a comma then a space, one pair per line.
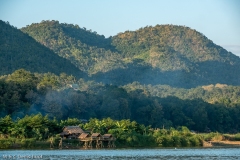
35, 131
165, 76
19, 50
203, 109
163, 54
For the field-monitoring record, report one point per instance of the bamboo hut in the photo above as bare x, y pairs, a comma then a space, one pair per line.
96, 136
71, 132
86, 138
75, 132
109, 139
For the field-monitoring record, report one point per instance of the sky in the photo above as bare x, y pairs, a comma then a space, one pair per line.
219, 20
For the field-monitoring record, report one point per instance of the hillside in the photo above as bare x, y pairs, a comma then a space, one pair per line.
164, 54
213, 107
165, 75
87, 50
177, 56
18, 50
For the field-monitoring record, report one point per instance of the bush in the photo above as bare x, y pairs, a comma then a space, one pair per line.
237, 137
213, 136
195, 141
185, 142
5, 143
28, 143
232, 137
167, 141
176, 141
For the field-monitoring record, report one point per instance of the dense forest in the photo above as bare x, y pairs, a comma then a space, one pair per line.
215, 109
36, 131
18, 50
87, 50
163, 76
165, 54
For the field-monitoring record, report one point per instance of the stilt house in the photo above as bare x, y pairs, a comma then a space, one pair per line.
71, 132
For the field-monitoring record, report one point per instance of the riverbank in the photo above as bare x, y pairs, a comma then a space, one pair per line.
221, 144
226, 143
75, 144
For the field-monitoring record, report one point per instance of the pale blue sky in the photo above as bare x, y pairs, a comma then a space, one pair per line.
219, 20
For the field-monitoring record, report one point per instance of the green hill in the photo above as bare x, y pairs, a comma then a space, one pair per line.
164, 54
171, 47
18, 50
87, 50
165, 75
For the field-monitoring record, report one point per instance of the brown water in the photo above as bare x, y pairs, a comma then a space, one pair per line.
163, 154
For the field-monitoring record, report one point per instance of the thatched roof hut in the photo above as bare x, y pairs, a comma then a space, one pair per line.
84, 136
73, 130
96, 135
107, 136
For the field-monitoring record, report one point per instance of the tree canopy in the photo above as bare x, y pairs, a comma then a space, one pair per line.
206, 108
164, 54
19, 50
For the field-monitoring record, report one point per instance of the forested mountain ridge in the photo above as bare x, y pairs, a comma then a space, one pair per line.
164, 54
178, 56
87, 50
18, 50
178, 41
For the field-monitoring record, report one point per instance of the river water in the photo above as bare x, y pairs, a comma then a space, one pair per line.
142, 154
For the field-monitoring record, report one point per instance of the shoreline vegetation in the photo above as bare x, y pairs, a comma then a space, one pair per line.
41, 132
214, 108
75, 144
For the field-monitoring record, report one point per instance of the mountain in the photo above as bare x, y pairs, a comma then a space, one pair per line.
165, 54
150, 69
87, 50
178, 56
18, 50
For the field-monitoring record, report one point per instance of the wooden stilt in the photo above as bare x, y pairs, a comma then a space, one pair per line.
85, 144
90, 144
99, 144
